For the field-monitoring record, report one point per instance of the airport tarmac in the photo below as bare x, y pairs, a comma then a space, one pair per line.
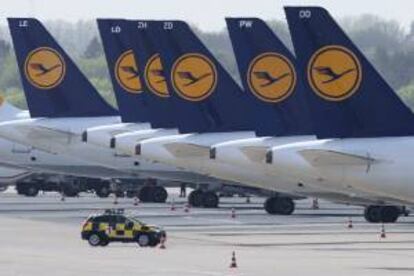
41, 236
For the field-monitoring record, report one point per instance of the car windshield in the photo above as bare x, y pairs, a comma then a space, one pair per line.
134, 219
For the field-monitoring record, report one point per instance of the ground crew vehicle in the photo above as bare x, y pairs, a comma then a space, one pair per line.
114, 226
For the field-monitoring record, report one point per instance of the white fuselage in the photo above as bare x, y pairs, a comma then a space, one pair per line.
386, 173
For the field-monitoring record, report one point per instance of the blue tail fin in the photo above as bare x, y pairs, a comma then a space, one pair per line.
118, 44
347, 96
268, 72
53, 84
162, 113
205, 96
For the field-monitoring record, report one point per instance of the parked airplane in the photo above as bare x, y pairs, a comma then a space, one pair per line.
63, 104
269, 75
125, 40
209, 117
365, 129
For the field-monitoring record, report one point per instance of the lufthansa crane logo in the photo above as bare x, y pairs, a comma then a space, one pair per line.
271, 77
44, 68
155, 76
334, 73
126, 72
194, 77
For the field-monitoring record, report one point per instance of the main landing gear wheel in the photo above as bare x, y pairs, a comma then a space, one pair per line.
279, 206
102, 191
159, 194
385, 214
210, 200
198, 198
195, 198
31, 191
156, 194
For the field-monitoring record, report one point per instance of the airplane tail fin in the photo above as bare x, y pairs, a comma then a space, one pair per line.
53, 84
347, 96
162, 113
268, 72
208, 98
123, 68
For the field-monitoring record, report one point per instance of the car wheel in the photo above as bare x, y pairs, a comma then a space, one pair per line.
143, 240
94, 239
104, 242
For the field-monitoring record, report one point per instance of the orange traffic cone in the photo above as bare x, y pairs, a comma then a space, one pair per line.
315, 204
233, 263
233, 213
172, 205
162, 242
383, 235
136, 201
187, 208
350, 225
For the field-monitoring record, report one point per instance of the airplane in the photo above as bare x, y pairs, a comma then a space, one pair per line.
206, 121
262, 58
121, 39
63, 105
364, 129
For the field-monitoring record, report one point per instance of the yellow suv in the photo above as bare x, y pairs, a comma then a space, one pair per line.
114, 226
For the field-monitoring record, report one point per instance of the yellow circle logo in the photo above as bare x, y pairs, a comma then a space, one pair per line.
44, 68
155, 77
126, 72
271, 77
334, 73
194, 77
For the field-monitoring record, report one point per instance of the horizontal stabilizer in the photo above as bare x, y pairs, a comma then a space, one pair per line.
255, 153
320, 158
187, 150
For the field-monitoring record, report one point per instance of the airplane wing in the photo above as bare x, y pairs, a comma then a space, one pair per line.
255, 154
183, 150
46, 138
321, 158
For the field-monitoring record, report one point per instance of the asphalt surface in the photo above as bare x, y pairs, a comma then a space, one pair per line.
41, 236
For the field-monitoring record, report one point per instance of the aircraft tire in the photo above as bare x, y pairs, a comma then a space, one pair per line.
210, 200
373, 214
285, 206
159, 194
195, 198
31, 190
102, 191
390, 214
145, 194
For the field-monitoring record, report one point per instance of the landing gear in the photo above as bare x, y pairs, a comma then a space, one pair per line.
279, 206
102, 191
30, 189
385, 214
156, 194
199, 198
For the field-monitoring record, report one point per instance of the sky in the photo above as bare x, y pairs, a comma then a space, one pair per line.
207, 15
